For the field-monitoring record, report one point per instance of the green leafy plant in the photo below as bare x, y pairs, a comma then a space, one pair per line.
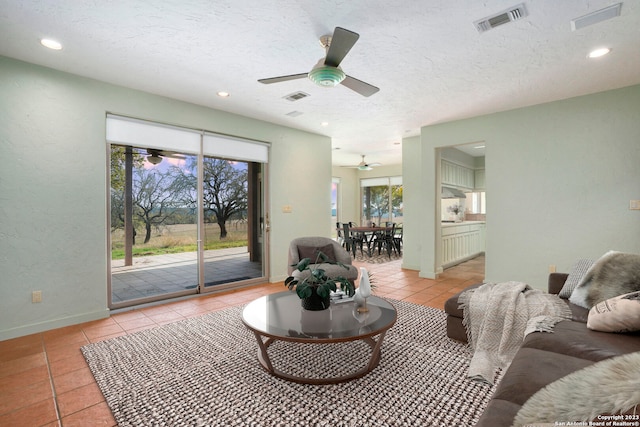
317, 279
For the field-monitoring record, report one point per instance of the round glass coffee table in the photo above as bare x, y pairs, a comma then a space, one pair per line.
280, 317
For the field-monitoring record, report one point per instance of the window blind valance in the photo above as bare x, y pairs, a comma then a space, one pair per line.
374, 182
228, 147
141, 133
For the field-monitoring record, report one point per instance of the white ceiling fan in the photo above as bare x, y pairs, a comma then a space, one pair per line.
364, 166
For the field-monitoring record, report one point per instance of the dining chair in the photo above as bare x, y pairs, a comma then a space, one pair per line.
397, 238
340, 236
352, 240
386, 239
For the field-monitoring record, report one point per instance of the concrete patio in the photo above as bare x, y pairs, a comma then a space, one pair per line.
165, 274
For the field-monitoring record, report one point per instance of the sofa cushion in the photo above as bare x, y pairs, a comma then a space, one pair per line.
531, 370
455, 329
451, 305
498, 412
578, 314
618, 314
576, 340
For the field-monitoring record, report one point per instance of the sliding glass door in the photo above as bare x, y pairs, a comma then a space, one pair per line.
182, 222
229, 189
153, 227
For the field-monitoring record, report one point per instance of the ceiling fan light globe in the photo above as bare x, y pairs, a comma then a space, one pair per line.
327, 76
154, 160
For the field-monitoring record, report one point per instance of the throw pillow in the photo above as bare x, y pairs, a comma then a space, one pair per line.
615, 273
576, 274
311, 252
618, 314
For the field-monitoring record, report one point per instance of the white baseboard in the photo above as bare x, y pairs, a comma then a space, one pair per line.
52, 324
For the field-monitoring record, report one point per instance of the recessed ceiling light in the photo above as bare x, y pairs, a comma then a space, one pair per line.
51, 44
223, 94
597, 53
324, 124
479, 147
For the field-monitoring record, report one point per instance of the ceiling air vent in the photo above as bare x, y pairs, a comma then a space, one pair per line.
296, 96
595, 17
512, 14
294, 113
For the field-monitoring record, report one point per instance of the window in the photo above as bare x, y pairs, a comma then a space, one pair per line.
381, 200
476, 202
335, 204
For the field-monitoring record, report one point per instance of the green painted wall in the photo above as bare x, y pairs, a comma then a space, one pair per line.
559, 177
53, 186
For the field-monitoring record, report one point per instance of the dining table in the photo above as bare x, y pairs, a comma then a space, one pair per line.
369, 233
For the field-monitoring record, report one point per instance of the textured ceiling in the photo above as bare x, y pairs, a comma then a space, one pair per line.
427, 58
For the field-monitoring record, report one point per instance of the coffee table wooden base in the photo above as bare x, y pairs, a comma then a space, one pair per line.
265, 361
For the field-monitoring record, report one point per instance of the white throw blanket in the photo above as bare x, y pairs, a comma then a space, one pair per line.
498, 316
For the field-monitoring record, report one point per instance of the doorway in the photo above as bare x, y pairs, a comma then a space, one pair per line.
461, 216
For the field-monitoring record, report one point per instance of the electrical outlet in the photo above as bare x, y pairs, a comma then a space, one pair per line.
287, 209
634, 205
552, 268
36, 296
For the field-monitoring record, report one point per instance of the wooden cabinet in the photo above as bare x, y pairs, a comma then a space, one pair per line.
461, 242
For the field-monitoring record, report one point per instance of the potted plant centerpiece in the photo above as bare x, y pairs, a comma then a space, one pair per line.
315, 289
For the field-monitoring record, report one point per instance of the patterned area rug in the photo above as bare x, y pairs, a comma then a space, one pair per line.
375, 258
204, 372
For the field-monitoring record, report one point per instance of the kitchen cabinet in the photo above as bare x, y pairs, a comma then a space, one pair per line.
479, 182
462, 241
456, 176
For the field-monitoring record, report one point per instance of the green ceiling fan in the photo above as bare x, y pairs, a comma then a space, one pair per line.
327, 71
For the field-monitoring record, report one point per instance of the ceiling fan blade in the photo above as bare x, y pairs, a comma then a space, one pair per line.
374, 164
165, 153
364, 89
341, 43
283, 78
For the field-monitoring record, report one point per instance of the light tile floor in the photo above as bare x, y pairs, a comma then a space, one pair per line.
45, 381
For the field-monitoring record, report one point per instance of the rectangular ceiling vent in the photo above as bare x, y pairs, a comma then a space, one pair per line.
296, 96
294, 113
595, 17
512, 14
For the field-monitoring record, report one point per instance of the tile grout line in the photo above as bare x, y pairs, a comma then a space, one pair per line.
51, 383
